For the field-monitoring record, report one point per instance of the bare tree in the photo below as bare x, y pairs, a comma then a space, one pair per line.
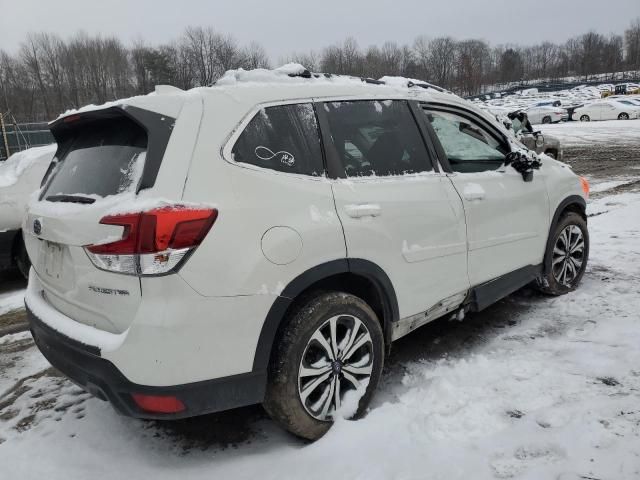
48, 75
632, 45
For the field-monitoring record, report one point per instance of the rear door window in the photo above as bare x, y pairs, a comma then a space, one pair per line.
284, 138
376, 138
104, 157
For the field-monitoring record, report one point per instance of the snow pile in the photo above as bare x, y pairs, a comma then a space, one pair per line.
16, 164
121, 203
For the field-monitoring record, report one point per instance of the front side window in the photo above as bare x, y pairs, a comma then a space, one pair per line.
469, 147
283, 138
376, 138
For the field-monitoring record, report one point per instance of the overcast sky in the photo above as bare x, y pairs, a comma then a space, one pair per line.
283, 26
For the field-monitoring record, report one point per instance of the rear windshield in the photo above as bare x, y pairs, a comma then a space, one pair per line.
103, 157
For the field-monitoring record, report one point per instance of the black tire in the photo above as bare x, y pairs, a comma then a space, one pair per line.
546, 119
585, 118
623, 116
283, 398
21, 258
549, 283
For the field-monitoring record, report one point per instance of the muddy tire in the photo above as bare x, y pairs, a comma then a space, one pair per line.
585, 118
567, 255
328, 346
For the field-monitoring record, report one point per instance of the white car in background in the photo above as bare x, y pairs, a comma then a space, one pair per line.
607, 110
546, 114
20, 175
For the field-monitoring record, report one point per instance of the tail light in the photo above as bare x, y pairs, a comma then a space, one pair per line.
153, 242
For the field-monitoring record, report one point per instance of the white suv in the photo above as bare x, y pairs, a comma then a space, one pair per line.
267, 238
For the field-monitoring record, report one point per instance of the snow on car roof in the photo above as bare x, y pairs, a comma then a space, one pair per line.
288, 82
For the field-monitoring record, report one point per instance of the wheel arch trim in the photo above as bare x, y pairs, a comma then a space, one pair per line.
314, 275
560, 209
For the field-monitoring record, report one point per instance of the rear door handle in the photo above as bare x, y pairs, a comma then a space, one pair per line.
363, 210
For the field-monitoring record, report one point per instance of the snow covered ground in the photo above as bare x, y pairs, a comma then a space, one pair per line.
586, 133
532, 388
554, 394
12, 300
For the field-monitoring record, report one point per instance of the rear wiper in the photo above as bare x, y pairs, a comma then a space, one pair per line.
70, 198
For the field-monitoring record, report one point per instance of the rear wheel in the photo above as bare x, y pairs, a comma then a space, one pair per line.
623, 116
546, 119
566, 259
327, 363
584, 118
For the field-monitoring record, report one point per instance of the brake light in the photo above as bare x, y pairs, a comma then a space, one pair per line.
158, 404
153, 242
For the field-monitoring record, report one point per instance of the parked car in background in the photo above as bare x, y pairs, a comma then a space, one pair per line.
607, 110
546, 114
20, 176
275, 258
518, 122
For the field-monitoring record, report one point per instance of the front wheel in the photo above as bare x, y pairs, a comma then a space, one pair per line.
585, 118
623, 116
327, 363
566, 258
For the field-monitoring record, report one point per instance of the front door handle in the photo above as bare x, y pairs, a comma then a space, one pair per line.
363, 210
473, 192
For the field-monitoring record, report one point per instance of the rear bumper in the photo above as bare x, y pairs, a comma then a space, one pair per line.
7, 239
84, 365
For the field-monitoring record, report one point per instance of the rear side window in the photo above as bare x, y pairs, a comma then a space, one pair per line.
283, 138
103, 157
377, 138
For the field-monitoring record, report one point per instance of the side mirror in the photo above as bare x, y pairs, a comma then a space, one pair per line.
522, 163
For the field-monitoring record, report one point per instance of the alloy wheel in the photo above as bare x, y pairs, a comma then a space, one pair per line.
568, 255
338, 358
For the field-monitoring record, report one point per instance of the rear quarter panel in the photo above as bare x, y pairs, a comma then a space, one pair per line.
290, 218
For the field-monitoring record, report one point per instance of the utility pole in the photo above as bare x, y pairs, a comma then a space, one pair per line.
4, 135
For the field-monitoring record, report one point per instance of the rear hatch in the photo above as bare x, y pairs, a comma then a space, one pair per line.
104, 159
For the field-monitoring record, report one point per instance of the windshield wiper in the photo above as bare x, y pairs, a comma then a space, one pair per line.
70, 198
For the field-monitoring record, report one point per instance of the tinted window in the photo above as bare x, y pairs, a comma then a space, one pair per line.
283, 138
376, 138
104, 157
469, 147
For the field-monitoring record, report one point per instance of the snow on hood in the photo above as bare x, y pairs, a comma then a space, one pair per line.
16, 164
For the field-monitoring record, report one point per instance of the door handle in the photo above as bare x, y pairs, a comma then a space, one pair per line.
470, 197
363, 210
473, 191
